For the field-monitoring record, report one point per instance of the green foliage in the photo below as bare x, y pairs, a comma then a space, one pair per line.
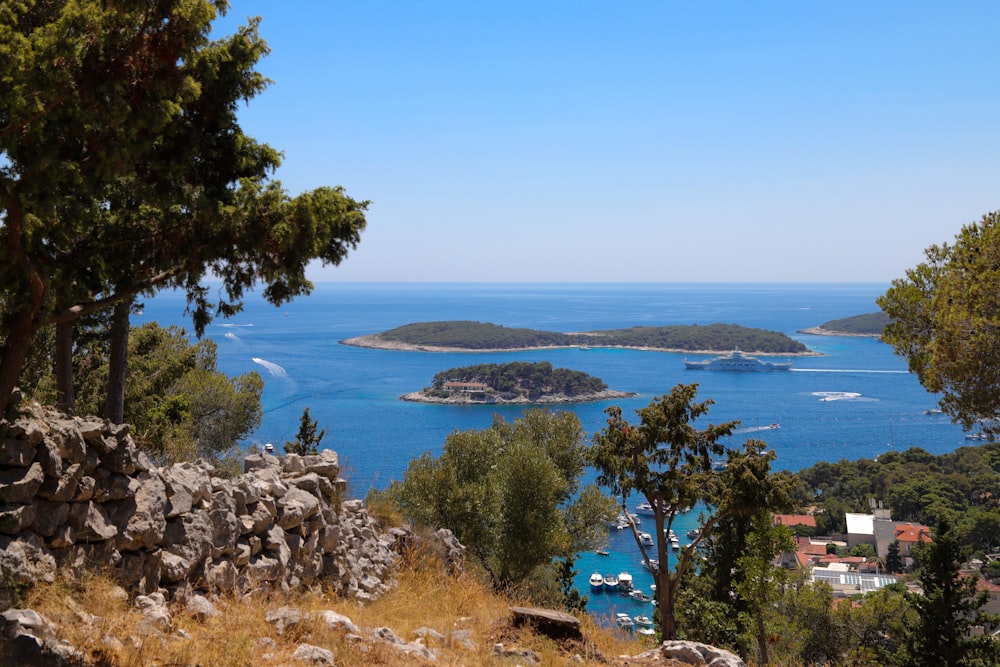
507, 494
531, 379
958, 486
118, 123
481, 336
869, 324
178, 405
949, 607
945, 322
669, 462
307, 439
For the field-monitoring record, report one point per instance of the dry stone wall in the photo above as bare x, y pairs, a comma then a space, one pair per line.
77, 493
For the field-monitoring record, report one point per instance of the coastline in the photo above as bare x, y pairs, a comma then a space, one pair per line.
556, 399
372, 341
820, 331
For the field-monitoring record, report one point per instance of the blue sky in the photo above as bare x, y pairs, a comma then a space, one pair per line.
636, 141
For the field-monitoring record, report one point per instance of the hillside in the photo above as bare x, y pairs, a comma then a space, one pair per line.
869, 324
479, 336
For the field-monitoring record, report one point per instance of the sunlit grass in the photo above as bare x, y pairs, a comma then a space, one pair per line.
96, 617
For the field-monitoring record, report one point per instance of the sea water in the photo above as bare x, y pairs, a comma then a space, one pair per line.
855, 400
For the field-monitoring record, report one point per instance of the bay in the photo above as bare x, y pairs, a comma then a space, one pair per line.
855, 400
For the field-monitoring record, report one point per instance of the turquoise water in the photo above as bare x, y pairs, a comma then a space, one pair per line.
857, 400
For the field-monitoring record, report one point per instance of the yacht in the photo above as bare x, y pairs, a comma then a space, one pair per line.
737, 361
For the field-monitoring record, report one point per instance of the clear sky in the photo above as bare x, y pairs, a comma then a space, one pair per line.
651, 141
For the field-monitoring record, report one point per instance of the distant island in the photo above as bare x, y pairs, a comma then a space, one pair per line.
869, 324
468, 336
515, 382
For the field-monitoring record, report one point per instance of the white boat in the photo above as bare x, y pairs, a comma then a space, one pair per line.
597, 580
646, 539
644, 508
611, 581
736, 361
624, 582
675, 544
639, 596
653, 565
624, 621
646, 632
693, 534
644, 621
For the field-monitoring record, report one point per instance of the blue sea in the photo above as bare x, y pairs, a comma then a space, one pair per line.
855, 400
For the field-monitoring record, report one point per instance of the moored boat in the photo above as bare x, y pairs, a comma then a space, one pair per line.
624, 621
611, 582
597, 580
625, 582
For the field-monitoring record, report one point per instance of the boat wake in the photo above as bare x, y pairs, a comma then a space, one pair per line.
841, 396
840, 370
273, 368
231, 324
757, 429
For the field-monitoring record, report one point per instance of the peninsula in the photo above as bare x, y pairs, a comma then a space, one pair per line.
869, 324
468, 336
515, 382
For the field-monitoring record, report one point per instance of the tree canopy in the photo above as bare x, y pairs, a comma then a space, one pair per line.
946, 322
123, 169
509, 493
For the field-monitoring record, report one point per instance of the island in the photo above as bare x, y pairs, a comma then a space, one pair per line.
515, 382
469, 336
868, 324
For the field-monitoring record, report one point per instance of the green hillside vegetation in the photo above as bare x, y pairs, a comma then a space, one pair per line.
521, 378
869, 324
485, 336
960, 487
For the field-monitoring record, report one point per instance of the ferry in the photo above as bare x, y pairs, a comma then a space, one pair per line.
736, 361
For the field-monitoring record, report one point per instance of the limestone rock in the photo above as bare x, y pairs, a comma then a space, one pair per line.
313, 655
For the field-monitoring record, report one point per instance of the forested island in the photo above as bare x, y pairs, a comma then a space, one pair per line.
485, 337
515, 382
869, 324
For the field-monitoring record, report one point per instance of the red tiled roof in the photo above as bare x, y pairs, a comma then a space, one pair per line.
913, 533
794, 520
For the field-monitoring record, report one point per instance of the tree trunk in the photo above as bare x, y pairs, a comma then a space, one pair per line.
114, 405
762, 657
65, 396
22, 329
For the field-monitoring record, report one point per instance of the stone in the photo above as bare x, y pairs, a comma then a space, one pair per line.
16, 453
335, 621
549, 622
285, 618
49, 516
296, 506
141, 518
15, 519
90, 522
325, 464
153, 608
63, 488
19, 485
313, 655
201, 609
696, 653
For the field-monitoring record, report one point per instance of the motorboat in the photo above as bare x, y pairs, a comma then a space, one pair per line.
693, 534
625, 582
644, 621
646, 539
624, 621
597, 580
644, 508
639, 596
611, 582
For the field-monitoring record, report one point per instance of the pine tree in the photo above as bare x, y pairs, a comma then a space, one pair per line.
948, 608
307, 439
893, 561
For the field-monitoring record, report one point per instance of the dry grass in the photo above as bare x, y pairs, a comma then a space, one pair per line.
93, 616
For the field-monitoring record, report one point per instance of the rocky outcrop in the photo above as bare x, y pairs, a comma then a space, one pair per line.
77, 493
